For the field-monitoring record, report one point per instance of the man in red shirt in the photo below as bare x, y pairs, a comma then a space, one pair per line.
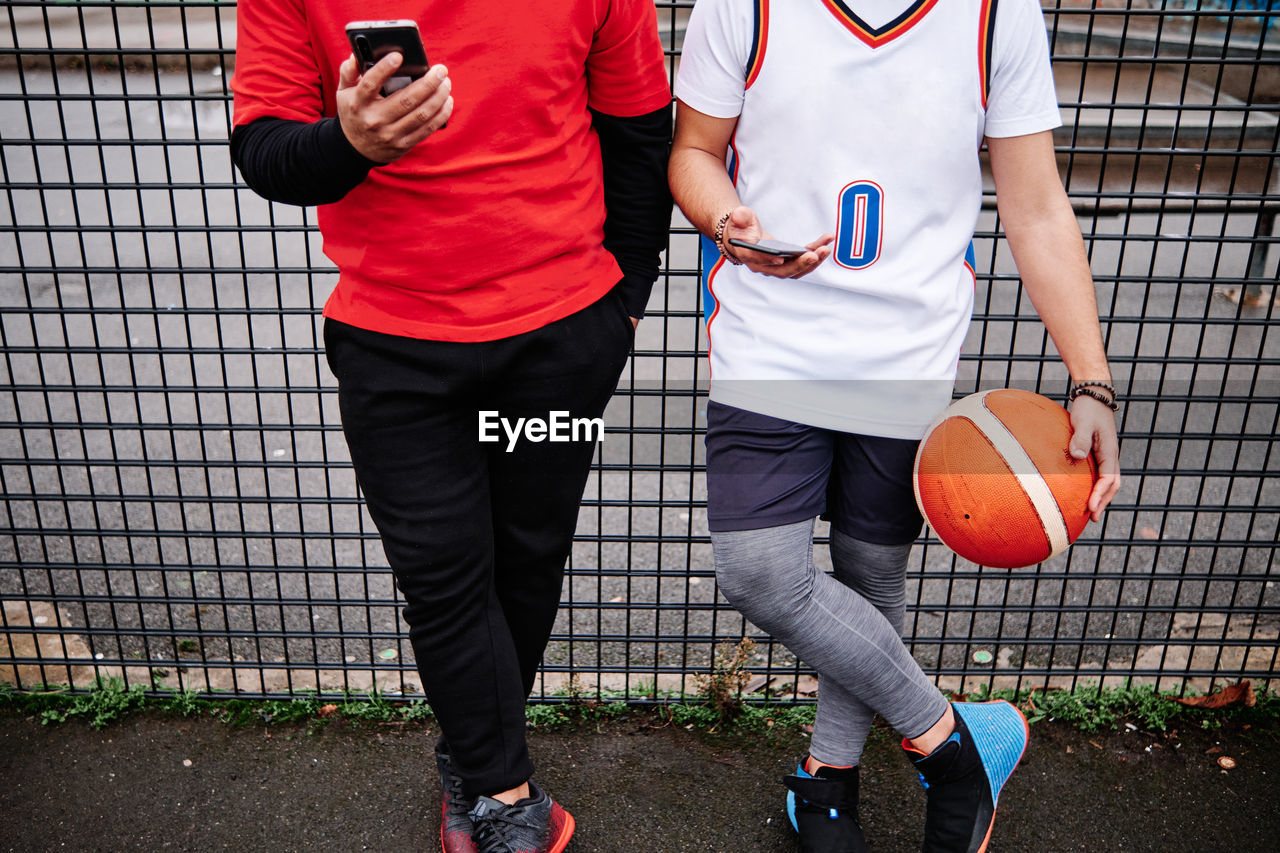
489, 270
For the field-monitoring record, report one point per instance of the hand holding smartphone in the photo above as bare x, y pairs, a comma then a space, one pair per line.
780, 259
372, 40
777, 248
381, 128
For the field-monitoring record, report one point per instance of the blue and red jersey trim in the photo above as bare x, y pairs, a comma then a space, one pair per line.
759, 42
986, 38
877, 36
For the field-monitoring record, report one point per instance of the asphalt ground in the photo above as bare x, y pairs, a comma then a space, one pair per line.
633, 784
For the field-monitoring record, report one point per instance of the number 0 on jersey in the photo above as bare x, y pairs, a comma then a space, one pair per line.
860, 225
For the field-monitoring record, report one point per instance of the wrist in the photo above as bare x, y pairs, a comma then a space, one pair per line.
719, 239
1102, 391
342, 151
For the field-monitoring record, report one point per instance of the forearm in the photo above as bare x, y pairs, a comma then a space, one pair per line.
635, 150
701, 186
1051, 260
296, 162
705, 192
1047, 247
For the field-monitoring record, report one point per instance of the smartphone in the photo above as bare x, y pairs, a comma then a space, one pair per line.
770, 247
372, 40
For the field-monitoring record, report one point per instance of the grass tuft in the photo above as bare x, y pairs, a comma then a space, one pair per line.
1091, 707
1088, 707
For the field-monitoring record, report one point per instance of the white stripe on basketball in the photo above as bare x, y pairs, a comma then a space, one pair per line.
1029, 477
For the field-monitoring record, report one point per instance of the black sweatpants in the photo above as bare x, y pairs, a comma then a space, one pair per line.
477, 535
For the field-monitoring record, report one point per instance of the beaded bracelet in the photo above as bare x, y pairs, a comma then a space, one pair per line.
1105, 386
718, 238
1085, 389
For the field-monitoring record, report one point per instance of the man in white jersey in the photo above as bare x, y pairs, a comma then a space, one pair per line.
862, 122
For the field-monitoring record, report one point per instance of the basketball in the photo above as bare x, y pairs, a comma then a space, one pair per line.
995, 479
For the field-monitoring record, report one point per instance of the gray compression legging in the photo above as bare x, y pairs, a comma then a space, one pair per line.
846, 629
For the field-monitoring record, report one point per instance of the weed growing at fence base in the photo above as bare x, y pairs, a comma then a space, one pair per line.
1088, 707
104, 704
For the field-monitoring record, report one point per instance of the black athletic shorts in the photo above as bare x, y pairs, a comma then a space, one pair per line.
765, 472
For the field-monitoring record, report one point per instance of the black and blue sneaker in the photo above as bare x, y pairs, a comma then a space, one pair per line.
824, 810
965, 774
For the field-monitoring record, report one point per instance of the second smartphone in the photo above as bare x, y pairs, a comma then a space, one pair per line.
372, 40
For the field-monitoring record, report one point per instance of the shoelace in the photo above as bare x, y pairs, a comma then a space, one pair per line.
491, 831
458, 805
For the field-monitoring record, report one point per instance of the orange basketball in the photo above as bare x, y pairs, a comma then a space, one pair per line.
996, 482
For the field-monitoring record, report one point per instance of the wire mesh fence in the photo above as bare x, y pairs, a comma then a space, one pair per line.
178, 505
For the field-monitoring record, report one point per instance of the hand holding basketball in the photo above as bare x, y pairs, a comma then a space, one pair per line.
999, 481
1093, 430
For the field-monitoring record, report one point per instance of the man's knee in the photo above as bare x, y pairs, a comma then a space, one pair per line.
876, 572
765, 573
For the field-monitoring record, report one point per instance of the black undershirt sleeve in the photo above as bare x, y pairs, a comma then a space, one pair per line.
635, 150
298, 162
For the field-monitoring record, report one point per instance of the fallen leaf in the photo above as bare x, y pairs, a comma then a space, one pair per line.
1253, 297
1236, 694
1213, 750
328, 710
1096, 744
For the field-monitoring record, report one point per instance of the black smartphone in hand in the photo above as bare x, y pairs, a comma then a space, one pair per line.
776, 248
372, 40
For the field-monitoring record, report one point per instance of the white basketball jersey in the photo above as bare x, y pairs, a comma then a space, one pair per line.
868, 128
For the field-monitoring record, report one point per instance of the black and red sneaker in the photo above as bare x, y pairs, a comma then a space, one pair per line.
455, 823
824, 810
536, 824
